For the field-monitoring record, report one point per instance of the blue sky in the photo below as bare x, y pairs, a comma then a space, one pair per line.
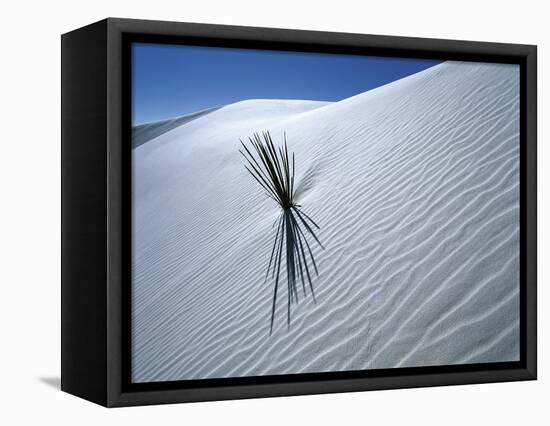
173, 80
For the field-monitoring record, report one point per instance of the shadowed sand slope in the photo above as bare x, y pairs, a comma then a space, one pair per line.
415, 188
145, 132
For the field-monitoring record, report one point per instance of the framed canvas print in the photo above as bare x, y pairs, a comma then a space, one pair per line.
252, 212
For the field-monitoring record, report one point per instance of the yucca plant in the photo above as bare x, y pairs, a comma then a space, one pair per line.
274, 170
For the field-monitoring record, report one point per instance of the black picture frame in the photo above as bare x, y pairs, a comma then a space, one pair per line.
96, 213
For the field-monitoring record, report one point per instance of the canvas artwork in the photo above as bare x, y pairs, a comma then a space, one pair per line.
302, 212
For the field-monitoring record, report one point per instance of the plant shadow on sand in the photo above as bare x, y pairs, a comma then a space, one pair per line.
273, 169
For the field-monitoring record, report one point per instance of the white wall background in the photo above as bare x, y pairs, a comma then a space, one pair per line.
30, 211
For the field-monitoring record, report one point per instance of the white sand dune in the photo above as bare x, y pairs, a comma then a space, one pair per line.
145, 132
415, 187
